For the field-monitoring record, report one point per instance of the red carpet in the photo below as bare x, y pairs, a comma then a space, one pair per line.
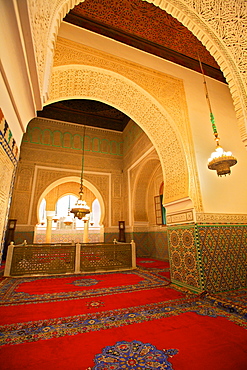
56, 323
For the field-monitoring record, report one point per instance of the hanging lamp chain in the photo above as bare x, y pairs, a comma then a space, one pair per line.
212, 119
82, 162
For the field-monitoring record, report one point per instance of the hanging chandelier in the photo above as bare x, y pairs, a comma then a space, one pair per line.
68, 219
220, 161
81, 209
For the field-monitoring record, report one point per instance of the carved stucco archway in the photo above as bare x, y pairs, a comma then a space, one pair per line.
211, 23
75, 179
84, 82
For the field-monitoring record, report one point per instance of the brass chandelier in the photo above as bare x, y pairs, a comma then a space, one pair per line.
81, 209
220, 161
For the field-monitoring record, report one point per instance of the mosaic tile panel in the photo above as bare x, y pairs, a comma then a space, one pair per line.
143, 248
185, 263
159, 245
224, 256
109, 237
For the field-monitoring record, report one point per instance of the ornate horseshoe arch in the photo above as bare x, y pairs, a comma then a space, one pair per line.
77, 81
198, 17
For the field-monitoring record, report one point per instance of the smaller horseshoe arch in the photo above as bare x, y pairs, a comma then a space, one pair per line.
140, 189
75, 179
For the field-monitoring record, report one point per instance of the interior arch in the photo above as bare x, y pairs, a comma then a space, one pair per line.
118, 91
75, 179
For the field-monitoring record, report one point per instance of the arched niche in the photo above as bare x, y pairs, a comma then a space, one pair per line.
75, 179
141, 189
125, 95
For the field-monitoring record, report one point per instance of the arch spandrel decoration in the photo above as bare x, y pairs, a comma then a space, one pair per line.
232, 59
47, 15
221, 27
94, 83
167, 90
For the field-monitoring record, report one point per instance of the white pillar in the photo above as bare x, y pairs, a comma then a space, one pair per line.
133, 247
49, 217
85, 234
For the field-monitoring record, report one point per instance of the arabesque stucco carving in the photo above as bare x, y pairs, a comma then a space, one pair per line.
221, 26
110, 85
83, 82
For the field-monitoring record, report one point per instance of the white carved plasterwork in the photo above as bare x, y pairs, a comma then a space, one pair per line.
182, 217
221, 26
115, 90
101, 182
45, 17
167, 90
221, 218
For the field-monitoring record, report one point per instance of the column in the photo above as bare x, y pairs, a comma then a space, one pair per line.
85, 234
49, 217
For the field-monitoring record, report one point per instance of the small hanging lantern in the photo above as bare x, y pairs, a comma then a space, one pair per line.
81, 209
68, 220
220, 161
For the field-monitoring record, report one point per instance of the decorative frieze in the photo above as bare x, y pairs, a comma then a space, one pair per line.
221, 218
180, 217
72, 139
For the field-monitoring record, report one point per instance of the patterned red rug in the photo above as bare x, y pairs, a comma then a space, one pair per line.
123, 320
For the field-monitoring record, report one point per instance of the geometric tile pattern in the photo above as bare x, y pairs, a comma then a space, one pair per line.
185, 262
159, 245
224, 256
109, 237
148, 243
143, 249
20, 236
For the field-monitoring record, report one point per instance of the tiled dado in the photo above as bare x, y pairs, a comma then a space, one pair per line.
223, 249
185, 261
148, 244
208, 257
